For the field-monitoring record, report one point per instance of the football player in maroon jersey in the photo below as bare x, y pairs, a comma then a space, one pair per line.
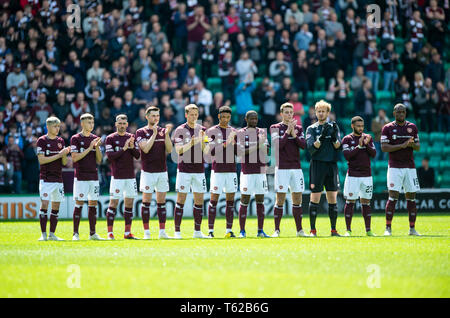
52, 155
287, 140
357, 149
121, 151
86, 155
400, 139
155, 144
191, 144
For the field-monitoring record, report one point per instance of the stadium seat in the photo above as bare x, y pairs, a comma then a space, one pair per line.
214, 83
436, 137
423, 137
383, 95
447, 138
445, 181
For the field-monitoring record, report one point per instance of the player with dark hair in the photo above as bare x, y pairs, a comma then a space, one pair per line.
252, 148
323, 142
223, 150
120, 149
287, 140
86, 155
191, 144
400, 138
52, 155
358, 148
155, 144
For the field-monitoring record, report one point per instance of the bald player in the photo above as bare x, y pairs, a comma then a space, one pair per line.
400, 139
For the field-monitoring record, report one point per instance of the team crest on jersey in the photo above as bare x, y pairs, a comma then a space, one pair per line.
59, 145
281, 187
182, 187
48, 145
350, 194
147, 187
45, 195
394, 130
215, 188
161, 133
81, 195
148, 135
117, 142
409, 130
117, 190
392, 185
245, 189
82, 143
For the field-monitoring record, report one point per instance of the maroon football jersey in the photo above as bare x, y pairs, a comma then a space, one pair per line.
86, 168
223, 159
287, 152
50, 172
254, 162
122, 162
155, 159
358, 159
394, 134
191, 161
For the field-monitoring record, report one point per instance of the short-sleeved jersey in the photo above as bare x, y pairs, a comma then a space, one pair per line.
50, 172
394, 134
192, 161
86, 168
358, 159
223, 158
287, 152
254, 162
155, 159
122, 162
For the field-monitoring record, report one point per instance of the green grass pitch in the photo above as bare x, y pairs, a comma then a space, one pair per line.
359, 266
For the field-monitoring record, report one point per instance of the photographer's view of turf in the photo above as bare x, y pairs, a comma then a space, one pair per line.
289, 266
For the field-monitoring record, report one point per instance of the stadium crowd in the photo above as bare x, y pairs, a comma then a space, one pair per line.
124, 55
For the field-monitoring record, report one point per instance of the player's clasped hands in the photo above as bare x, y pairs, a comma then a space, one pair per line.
95, 143
65, 151
168, 128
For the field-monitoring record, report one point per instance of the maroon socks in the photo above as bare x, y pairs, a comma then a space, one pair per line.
297, 212
212, 207
242, 216
412, 212
145, 212
76, 217
348, 213
178, 215
198, 215
43, 220
229, 214
390, 209
277, 215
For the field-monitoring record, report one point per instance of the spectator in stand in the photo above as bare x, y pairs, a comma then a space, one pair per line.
436, 19
389, 60
17, 79
294, 12
426, 174
280, 68
376, 127
179, 19
246, 68
329, 63
313, 58
303, 38
416, 31
228, 75
114, 89
191, 82
443, 107
333, 26
178, 103
76, 68
300, 74
338, 91
403, 93
435, 69
91, 87
41, 109
426, 99
79, 107
325, 11
207, 55
205, 97
232, 23
95, 72
117, 108
131, 109
15, 156
197, 25
31, 166
95, 104
364, 101
387, 29
158, 38
409, 61
144, 95
357, 79
371, 60
243, 95
6, 173
299, 111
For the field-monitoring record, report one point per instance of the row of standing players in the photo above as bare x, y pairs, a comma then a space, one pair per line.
222, 144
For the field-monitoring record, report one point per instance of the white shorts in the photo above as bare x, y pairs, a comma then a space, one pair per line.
358, 187
289, 178
255, 183
86, 190
51, 191
223, 181
406, 178
123, 188
186, 181
155, 181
